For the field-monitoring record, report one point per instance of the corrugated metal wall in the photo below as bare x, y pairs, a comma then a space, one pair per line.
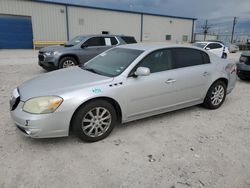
89, 21
48, 20
155, 28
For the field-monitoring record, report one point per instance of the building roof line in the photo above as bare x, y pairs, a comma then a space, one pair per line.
116, 10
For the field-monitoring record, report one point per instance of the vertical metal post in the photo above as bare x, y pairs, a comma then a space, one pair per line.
141, 27
205, 31
234, 23
192, 37
67, 21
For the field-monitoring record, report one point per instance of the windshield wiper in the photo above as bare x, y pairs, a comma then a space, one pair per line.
90, 70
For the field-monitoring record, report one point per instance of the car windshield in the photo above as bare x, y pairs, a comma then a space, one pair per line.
200, 45
74, 41
113, 62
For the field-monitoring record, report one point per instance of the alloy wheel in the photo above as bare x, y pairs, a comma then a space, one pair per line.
96, 122
217, 95
68, 63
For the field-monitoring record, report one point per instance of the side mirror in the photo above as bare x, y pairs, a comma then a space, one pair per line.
142, 71
207, 48
84, 45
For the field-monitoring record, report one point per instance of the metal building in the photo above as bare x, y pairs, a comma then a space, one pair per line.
24, 23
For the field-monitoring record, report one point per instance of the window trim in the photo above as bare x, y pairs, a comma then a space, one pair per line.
131, 73
201, 51
95, 37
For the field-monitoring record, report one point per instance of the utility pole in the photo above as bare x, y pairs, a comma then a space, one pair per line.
205, 30
234, 23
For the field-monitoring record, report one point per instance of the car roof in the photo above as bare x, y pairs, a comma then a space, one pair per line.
155, 46
103, 35
209, 42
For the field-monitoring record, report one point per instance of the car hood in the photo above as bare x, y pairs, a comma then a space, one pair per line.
53, 48
60, 82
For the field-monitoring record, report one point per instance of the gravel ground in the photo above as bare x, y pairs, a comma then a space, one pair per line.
193, 147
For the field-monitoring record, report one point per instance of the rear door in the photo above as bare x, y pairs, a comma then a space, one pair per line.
91, 48
216, 48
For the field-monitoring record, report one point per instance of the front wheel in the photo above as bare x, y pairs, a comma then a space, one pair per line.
94, 121
215, 95
67, 62
224, 56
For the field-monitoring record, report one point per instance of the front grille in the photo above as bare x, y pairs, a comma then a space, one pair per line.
246, 73
41, 57
245, 59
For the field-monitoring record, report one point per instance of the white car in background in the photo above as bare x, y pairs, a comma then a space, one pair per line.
217, 48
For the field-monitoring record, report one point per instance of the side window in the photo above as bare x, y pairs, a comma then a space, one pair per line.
107, 41
214, 46
129, 40
157, 61
206, 59
113, 41
95, 41
185, 57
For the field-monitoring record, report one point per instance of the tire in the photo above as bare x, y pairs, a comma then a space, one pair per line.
67, 62
91, 128
216, 95
224, 56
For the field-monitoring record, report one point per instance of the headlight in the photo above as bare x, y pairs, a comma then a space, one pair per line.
49, 53
42, 105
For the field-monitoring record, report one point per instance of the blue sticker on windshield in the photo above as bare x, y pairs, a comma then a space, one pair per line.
96, 90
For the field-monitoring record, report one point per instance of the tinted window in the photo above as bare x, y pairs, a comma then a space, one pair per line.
74, 41
95, 41
112, 62
185, 57
129, 40
113, 41
214, 46
157, 61
206, 59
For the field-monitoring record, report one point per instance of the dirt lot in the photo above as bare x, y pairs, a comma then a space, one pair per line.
194, 147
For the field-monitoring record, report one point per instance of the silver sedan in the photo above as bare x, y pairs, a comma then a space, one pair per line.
120, 85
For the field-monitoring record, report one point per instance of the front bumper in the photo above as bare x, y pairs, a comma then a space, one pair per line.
41, 125
47, 62
243, 70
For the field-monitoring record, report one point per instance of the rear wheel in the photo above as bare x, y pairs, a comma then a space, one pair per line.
67, 62
224, 56
215, 95
94, 121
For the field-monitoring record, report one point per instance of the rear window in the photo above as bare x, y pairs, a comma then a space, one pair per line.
186, 57
129, 40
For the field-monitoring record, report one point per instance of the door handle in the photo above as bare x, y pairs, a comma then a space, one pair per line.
170, 81
205, 74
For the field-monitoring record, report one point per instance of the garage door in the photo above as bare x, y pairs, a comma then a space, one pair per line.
15, 32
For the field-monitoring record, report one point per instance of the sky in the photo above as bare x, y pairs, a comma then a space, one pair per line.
219, 13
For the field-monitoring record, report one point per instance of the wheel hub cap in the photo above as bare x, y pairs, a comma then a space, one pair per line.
96, 122
68, 63
218, 95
